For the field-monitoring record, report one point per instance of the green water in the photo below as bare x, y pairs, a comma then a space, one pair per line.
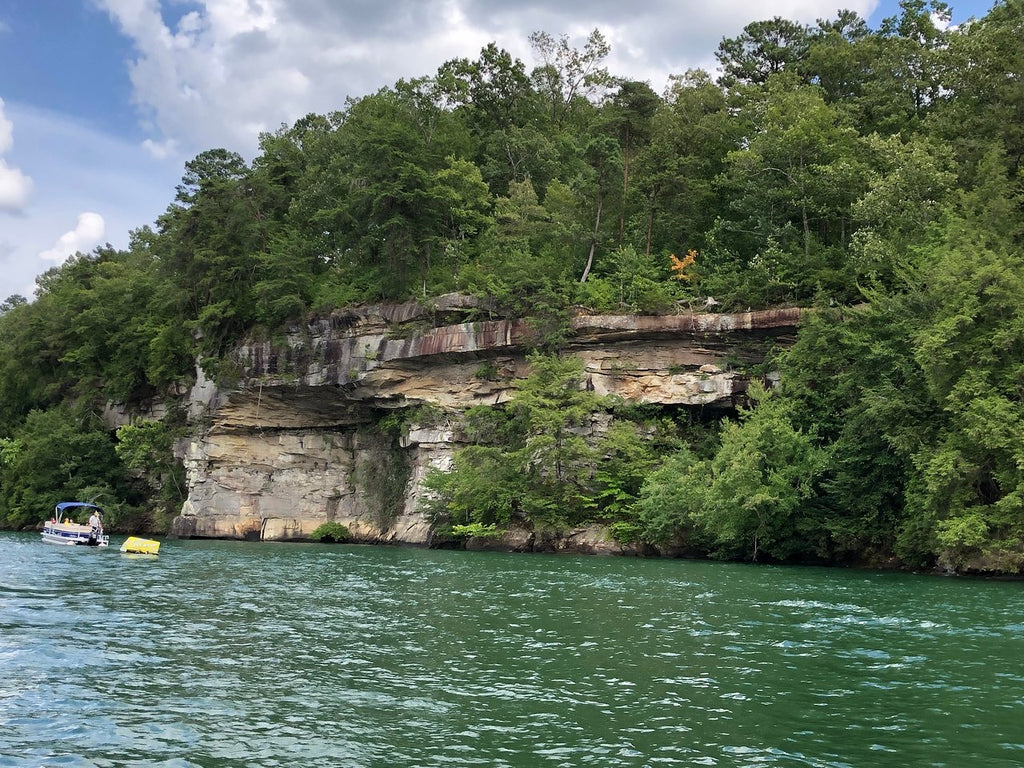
235, 654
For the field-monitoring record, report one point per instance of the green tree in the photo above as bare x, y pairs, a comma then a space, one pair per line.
763, 49
464, 205
985, 104
745, 502
28, 369
481, 487
57, 455
761, 476
529, 463
852, 379
147, 450
209, 245
386, 202
970, 485
691, 134
567, 76
495, 89
839, 58
295, 257
908, 190
604, 159
669, 497
629, 113
909, 57
553, 410
791, 188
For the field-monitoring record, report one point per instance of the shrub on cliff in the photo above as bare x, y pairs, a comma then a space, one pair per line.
331, 533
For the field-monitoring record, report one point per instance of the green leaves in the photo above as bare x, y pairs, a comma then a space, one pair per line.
792, 185
331, 532
533, 462
56, 455
763, 49
747, 499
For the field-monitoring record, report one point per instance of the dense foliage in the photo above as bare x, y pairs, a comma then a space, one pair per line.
873, 173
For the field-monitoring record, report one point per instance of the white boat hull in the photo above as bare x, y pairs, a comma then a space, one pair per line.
72, 534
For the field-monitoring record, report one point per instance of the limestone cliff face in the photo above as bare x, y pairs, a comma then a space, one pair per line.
303, 437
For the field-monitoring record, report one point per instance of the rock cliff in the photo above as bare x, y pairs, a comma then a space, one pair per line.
303, 437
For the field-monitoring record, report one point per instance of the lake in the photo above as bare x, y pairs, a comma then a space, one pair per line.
242, 654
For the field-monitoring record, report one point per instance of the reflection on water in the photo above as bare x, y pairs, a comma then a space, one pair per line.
232, 654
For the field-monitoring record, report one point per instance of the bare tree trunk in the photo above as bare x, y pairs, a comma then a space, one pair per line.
625, 187
593, 240
807, 230
803, 211
650, 222
426, 271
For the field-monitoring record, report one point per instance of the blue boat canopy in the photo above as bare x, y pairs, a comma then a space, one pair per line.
69, 504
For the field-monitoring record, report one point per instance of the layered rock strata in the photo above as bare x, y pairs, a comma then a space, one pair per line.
303, 437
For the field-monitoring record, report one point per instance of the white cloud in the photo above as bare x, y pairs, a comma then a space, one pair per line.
942, 21
15, 189
232, 68
15, 186
76, 168
87, 234
161, 150
6, 132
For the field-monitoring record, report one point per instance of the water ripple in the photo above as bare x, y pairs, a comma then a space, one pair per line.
229, 654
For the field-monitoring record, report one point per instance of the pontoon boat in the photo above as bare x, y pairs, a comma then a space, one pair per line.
62, 528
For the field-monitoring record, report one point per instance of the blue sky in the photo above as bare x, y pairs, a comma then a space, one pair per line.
103, 101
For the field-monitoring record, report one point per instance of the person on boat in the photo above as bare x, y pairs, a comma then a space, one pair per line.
95, 523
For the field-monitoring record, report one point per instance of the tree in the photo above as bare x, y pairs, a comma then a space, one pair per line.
530, 462
56, 455
629, 114
852, 379
629, 451
146, 449
291, 162
640, 282
755, 485
910, 54
12, 302
379, 207
744, 502
463, 203
29, 368
566, 74
669, 497
482, 487
552, 408
764, 48
604, 159
792, 185
519, 217
495, 88
207, 252
970, 483
839, 60
691, 134
985, 105
908, 191
762, 474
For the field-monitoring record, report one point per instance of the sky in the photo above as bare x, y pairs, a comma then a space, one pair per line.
102, 102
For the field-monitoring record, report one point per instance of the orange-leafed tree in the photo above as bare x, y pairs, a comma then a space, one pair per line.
681, 265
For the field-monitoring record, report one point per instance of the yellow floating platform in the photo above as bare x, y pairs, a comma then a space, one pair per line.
139, 546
